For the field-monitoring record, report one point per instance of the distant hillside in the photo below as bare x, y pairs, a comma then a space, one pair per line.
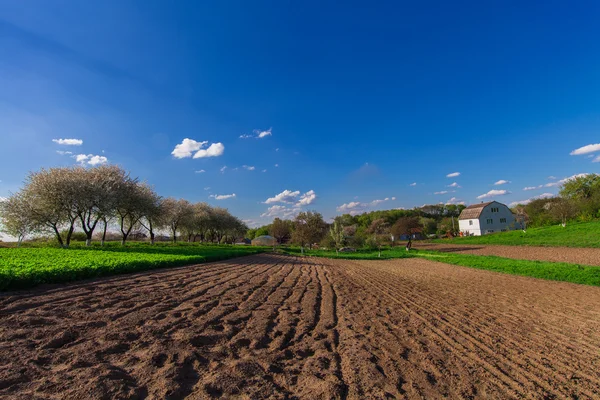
573, 235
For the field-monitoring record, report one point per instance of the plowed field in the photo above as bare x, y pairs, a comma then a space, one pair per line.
570, 255
271, 326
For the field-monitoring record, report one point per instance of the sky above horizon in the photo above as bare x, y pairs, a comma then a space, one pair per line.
268, 108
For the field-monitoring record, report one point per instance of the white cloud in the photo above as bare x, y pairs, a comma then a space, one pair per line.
264, 133
597, 159
223, 169
287, 196
200, 171
280, 211
525, 202
552, 178
453, 175
352, 208
264, 170
454, 200
187, 147
248, 167
393, 198
307, 198
207, 188
222, 196
376, 202
276, 165
214, 150
454, 185
90, 159
68, 142
258, 134
590, 148
493, 193
442, 192
533, 187
501, 182
413, 184
64, 153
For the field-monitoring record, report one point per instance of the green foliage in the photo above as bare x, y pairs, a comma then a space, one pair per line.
363, 254
27, 267
573, 235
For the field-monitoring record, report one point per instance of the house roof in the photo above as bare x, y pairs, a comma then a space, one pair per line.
473, 211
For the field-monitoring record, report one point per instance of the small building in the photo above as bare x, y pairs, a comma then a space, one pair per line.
264, 240
484, 218
243, 241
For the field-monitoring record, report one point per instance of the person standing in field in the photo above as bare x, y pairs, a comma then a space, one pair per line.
409, 244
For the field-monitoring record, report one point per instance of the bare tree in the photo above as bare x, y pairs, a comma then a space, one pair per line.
379, 228
154, 214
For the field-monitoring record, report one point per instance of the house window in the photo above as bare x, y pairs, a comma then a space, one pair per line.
502, 220
495, 209
471, 222
490, 221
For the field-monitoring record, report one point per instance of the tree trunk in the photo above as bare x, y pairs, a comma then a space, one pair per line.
70, 233
151, 237
124, 239
58, 237
104, 233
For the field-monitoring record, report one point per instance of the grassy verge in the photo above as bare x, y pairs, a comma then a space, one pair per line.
27, 267
574, 273
573, 235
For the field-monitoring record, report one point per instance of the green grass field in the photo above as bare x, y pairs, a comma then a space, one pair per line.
564, 272
27, 267
573, 235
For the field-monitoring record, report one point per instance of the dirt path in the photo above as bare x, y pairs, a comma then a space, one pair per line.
271, 326
556, 254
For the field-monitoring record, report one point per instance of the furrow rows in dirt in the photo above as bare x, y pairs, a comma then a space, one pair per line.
574, 343
271, 326
517, 362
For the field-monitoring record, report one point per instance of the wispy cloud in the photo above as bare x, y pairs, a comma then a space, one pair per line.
222, 196
90, 159
533, 187
590, 148
565, 180
249, 167
281, 212
189, 146
223, 169
453, 175
357, 207
413, 184
64, 153
442, 192
200, 171
455, 200
258, 134
207, 188
501, 182
493, 193
525, 202
68, 142
454, 185
597, 159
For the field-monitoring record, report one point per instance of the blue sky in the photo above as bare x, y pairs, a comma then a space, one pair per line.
354, 103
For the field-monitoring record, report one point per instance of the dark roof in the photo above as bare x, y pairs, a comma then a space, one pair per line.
473, 211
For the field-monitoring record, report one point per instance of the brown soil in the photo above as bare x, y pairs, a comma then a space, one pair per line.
271, 326
583, 256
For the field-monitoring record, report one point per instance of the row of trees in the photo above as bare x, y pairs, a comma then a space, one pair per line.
578, 199
61, 200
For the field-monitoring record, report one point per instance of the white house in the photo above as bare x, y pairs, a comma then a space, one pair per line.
484, 218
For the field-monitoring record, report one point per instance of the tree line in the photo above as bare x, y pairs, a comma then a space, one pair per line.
578, 200
373, 229
58, 201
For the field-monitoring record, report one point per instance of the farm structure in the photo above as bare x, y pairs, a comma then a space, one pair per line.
484, 218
